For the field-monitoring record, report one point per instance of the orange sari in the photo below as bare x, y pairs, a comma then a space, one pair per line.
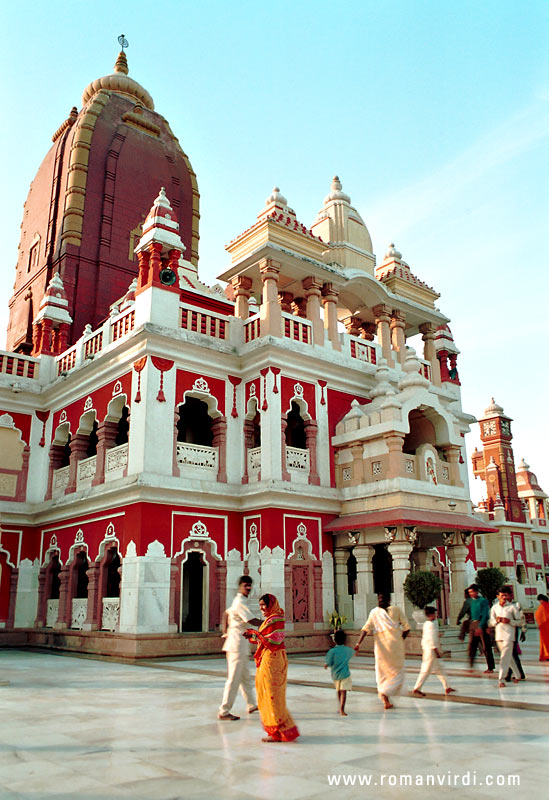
542, 618
270, 678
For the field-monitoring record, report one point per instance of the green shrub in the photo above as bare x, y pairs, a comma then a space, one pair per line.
421, 588
489, 580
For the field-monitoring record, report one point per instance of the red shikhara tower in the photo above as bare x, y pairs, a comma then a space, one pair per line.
495, 463
85, 208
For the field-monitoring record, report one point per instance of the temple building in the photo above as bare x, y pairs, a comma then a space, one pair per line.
159, 437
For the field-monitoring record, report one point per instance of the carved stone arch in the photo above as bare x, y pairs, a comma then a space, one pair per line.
205, 397
115, 408
62, 434
49, 581
302, 405
86, 422
213, 580
252, 408
303, 584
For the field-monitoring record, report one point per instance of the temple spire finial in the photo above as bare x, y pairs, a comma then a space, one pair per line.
121, 64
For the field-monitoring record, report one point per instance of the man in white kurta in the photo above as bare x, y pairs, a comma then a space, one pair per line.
389, 627
237, 650
505, 618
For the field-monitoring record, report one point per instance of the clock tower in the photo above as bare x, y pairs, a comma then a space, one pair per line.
495, 464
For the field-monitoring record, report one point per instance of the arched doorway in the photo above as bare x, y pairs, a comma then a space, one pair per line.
382, 565
52, 589
193, 585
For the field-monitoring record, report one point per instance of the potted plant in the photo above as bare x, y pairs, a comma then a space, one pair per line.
421, 588
336, 621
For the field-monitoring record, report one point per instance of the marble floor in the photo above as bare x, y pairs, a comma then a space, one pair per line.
77, 727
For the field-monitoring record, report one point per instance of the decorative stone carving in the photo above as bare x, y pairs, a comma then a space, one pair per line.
117, 388
201, 385
197, 455
53, 540
298, 390
52, 612
63, 416
390, 534
253, 531
156, 549
352, 537
410, 535
466, 537
88, 404
79, 612
346, 474
376, 468
131, 551
297, 458
8, 485
111, 613
116, 458
199, 531
6, 421
79, 536
301, 530
110, 533
448, 538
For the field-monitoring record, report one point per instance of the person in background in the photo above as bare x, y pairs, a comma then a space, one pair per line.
389, 627
464, 616
478, 631
519, 633
542, 620
432, 656
235, 621
337, 658
505, 618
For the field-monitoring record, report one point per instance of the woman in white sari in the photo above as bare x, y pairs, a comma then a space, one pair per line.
389, 627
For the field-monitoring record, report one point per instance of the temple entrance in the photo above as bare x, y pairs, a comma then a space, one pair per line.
192, 593
113, 574
82, 565
382, 565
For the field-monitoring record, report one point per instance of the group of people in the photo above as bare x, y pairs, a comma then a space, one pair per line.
389, 627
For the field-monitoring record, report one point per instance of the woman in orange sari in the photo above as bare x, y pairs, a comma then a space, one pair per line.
272, 670
542, 618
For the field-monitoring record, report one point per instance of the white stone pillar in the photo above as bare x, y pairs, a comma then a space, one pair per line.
145, 591
364, 599
26, 603
344, 600
313, 288
457, 555
328, 593
383, 319
272, 572
329, 298
235, 569
400, 553
270, 313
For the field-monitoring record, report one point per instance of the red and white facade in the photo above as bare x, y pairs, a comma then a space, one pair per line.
281, 427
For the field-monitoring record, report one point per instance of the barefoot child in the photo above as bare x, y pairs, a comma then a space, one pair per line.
432, 657
338, 660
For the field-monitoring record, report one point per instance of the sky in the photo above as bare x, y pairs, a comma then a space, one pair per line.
434, 114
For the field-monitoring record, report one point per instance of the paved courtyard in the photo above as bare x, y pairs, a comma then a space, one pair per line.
76, 727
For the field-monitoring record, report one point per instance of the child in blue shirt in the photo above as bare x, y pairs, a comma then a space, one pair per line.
338, 660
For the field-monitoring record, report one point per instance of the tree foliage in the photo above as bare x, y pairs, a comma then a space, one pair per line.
421, 588
489, 580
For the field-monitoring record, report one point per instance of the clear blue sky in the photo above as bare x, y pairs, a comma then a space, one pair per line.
434, 114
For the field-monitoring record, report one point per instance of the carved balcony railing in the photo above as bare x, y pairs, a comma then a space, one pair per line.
252, 328
110, 613
94, 342
206, 322
254, 461
116, 461
362, 351
197, 456
79, 612
297, 328
297, 458
85, 472
17, 365
60, 481
52, 612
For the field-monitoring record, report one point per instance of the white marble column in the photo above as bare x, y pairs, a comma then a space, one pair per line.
364, 599
400, 551
344, 601
26, 603
145, 591
456, 552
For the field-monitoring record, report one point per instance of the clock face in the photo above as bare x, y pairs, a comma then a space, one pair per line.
489, 427
505, 427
